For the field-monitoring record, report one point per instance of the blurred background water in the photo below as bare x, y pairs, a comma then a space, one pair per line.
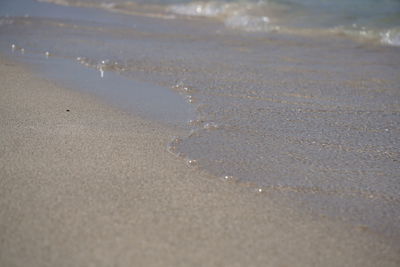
368, 19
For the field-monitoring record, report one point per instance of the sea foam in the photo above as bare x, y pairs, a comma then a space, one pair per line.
234, 15
391, 37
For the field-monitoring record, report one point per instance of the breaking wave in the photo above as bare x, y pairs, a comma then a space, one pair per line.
252, 16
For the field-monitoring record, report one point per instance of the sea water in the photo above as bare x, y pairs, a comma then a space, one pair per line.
299, 99
364, 19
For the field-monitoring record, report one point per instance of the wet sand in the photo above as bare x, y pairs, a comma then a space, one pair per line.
95, 186
310, 118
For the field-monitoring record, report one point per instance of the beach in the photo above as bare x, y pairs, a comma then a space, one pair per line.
95, 186
199, 133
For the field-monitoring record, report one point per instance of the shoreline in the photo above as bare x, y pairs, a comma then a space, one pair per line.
96, 186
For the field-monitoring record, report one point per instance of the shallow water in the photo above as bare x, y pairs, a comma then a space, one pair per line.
148, 100
313, 118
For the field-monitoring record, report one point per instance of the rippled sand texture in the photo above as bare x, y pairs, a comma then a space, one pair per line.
313, 119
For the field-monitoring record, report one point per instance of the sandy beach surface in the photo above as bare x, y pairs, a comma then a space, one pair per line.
95, 186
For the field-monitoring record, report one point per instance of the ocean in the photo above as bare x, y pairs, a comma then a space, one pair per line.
297, 99
363, 19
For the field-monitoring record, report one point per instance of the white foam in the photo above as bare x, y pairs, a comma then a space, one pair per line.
209, 9
249, 23
391, 37
387, 37
57, 2
235, 15
108, 5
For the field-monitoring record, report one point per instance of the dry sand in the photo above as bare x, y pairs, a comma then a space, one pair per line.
96, 187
